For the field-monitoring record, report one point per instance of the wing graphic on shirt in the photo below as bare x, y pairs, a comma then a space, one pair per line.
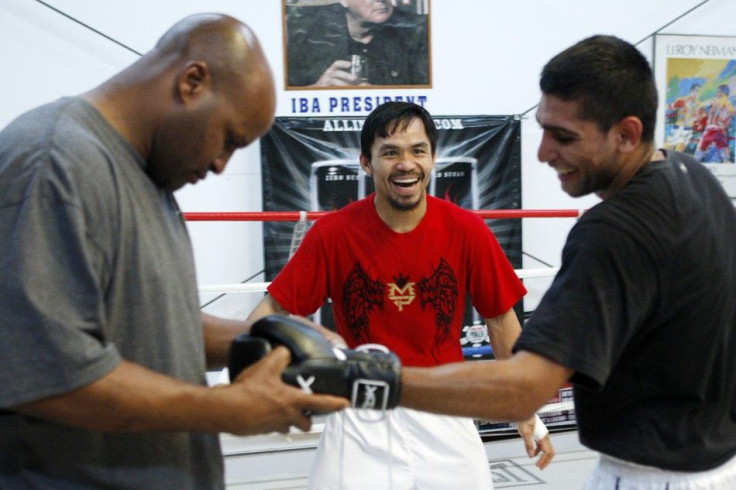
440, 291
361, 295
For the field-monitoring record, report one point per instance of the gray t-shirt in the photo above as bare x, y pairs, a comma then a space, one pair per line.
96, 265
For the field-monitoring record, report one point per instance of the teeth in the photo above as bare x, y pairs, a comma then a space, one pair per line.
564, 171
406, 181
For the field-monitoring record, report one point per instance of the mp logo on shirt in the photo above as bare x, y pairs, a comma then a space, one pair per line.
401, 293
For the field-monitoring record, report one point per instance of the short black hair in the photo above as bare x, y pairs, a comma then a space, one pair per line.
609, 77
391, 116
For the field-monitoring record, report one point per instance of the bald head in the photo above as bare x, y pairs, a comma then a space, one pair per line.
203, 91
229, 48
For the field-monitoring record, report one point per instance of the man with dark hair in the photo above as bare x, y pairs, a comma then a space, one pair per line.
103, 348
642, 315
398, 266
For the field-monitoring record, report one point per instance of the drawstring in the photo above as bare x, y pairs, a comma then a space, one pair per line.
363, 416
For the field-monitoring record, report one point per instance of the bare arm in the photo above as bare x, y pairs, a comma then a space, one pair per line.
511, 389
268, 306
218, 335
131, 399
503, 331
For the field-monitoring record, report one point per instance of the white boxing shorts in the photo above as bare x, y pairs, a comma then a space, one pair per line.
399, 449
615, 474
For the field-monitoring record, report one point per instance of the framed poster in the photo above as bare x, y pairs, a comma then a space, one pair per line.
696, 80
354, 44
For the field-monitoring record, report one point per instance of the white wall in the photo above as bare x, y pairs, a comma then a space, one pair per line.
486, 57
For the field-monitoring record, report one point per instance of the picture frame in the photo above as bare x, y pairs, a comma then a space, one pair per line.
347, 44
696, 82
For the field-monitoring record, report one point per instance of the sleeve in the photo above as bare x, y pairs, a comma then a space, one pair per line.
316, 38
301, 286
52, 335
603, 292
493, 284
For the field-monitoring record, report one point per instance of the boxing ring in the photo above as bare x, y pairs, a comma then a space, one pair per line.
276, 461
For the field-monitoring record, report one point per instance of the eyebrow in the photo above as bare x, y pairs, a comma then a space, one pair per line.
552, 127
392, 146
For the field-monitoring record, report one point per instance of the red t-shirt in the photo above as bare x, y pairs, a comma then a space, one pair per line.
406, 291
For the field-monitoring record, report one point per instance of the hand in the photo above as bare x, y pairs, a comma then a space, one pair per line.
263, 403
535, 447
338, 75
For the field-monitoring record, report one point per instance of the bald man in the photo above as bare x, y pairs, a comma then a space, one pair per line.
103, 348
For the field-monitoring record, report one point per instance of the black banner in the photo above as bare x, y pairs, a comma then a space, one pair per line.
312, 164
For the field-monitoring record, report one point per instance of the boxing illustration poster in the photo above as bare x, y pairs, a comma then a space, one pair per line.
331, 44
696, 80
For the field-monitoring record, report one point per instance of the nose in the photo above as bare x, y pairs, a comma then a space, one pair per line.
219, 163
546, 151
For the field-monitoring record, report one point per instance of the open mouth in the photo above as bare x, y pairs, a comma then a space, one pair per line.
406, 182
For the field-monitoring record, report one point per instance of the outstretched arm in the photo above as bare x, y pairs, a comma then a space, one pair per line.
512, 389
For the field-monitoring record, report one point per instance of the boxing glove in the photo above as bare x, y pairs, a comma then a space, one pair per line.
370, 380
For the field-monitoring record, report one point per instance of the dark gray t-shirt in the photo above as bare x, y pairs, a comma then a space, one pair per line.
96, 265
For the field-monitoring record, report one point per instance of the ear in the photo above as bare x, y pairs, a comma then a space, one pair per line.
193, 81
628, 133
365, 164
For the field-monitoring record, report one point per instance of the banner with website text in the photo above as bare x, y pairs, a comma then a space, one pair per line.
311, 164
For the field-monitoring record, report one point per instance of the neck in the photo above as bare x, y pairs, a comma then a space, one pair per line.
400, 220
630, 167
128, 102
361, 32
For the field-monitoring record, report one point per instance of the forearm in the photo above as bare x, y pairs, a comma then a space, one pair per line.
512, 389
268, 306
218, 335
132, 398
503, 331
129, 399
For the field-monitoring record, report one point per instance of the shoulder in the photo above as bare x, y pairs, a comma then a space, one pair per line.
349, 214
405, 18
448, 210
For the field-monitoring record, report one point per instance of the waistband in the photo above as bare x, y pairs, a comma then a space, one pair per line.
651, 474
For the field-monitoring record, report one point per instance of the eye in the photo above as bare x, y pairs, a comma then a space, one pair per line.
563, 138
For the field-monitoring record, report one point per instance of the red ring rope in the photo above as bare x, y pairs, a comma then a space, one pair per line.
313, 215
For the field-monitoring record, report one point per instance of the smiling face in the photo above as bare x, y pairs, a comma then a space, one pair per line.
585, 158
401, 164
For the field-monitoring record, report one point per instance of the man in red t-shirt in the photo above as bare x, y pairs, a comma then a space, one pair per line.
398, 266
